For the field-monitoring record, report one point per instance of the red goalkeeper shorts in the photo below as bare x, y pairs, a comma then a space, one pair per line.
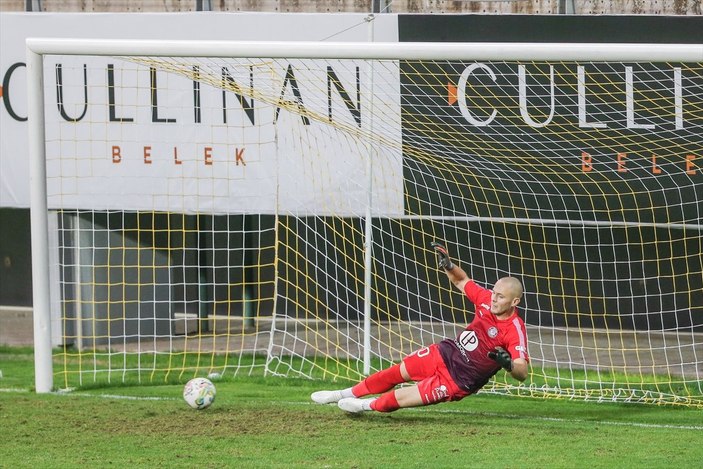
426, 367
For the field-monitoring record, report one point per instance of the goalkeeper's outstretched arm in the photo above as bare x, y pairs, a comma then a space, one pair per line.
458, 277
456, 274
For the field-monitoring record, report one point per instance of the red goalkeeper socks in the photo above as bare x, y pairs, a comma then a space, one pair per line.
379, 382
385, 403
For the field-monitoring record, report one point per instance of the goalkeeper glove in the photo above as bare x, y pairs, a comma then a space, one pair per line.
444, 260
500, 356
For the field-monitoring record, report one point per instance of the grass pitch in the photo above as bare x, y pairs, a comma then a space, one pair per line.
270, 422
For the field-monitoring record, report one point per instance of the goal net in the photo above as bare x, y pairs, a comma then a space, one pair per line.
267, 208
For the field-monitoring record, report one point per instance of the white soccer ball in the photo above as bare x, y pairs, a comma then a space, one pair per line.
199, 393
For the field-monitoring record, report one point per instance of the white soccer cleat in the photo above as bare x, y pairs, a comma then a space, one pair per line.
354, 405
326, 397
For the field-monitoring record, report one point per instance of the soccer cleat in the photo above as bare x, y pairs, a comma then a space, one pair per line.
326, 397
354, 405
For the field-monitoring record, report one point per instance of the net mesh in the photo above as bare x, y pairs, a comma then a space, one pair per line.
274, 215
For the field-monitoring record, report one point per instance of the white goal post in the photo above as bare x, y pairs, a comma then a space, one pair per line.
502, 150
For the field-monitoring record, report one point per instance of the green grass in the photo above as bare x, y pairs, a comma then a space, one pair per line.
269, 422
89, 369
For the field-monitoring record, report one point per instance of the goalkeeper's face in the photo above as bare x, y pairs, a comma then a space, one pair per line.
504, 298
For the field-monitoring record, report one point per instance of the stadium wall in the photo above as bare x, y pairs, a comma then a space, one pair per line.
523, 7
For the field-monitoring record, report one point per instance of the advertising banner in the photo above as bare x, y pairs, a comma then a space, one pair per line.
236, 136
152, 144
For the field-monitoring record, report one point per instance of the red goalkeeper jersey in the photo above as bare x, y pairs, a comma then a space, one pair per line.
466, 356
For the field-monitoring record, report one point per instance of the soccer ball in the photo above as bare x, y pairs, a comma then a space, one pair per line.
199, 393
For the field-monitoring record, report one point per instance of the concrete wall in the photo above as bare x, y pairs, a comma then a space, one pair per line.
544, 7
16, 326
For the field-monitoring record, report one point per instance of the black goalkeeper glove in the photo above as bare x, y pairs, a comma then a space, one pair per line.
500, 356
444, 260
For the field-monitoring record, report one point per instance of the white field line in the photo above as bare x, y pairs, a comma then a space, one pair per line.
118, 396
103, 396
433, 410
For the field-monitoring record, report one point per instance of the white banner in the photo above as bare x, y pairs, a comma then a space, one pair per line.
121, 136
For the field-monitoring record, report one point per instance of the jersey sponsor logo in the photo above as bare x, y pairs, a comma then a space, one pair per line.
520, 348
492, 332
461, 350
485, 306
468, 340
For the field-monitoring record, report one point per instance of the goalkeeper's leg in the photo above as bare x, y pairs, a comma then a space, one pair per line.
376, 383
432, 390
434, 385
380, 381
388, 402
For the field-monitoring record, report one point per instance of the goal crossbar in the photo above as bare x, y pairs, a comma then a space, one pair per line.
376, 51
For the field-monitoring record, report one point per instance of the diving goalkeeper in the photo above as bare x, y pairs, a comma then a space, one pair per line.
453, 368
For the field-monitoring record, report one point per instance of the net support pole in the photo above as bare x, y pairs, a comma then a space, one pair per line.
40, 230
78, 275
368, 262
368, 228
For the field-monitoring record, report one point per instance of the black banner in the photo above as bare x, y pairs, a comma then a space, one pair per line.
614, 29
584, 179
